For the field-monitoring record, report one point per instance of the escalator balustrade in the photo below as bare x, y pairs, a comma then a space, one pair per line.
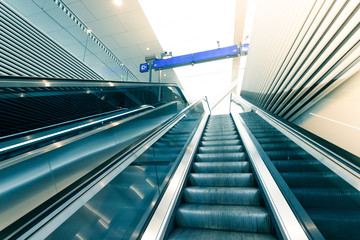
332, 203
222, 199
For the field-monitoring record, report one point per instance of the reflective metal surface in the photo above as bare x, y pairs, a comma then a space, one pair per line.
31, 180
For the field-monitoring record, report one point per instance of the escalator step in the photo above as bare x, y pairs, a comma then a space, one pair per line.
222, 179
224, 217
282, 139
223, 137
220, 157
268, 134
204, 234
327, 198
220, 143
300, 166
228, 196
221, 167
288, 155
310, 179
281, 146
220, 129
232, 132
221, 149
337, 223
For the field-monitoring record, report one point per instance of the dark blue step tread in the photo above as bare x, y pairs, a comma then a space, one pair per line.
221, 167
220, 157
249, 196
219, 133
311, 179
300, 166
222, 179
328, 198
336, 223
221, 149
220, 137
204, 234
224, 217
220, 143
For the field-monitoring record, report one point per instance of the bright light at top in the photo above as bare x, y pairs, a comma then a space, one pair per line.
117, 2
183, 30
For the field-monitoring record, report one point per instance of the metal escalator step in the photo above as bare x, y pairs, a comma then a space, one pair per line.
329, 222
224, 217
288, 155
281, 146
232, 132
222, 137
220, 129
249, 196
327, 198
310, 179
220, 143
221, 167
222, 179
300, 166
268, 134
221, 149
204, 234
220, 157
282, 139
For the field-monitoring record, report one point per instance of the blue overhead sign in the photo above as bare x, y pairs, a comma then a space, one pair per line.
199, 57
144, 67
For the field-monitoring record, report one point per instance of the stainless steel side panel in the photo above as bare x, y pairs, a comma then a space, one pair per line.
44, 172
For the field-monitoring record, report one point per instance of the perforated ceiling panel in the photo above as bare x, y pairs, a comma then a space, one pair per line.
299, 52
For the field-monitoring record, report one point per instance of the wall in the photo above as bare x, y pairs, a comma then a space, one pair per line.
336, 117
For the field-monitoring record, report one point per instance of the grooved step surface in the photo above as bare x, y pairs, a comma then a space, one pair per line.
224, 217
221, 199
223, 195
221, 167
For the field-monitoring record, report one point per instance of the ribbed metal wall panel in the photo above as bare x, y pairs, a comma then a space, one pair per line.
26, 51
299, 52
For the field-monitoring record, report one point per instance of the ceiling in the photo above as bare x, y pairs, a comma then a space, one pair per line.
127, 33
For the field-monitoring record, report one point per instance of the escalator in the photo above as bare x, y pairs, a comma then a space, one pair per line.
331, 203
222, 199
60, 136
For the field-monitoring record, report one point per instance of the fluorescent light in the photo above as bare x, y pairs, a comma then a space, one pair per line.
117, 2
147, 49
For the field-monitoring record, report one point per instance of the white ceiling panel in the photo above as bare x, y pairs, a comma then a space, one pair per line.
134, 20
81, 11
63, 34
106, 26
46, 4
77, 33
58, 15
102, 9
133, 51
110, 43
44, 22
154, 48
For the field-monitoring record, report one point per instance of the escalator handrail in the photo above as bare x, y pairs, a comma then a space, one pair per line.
106, 175
346, 169
28, 142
